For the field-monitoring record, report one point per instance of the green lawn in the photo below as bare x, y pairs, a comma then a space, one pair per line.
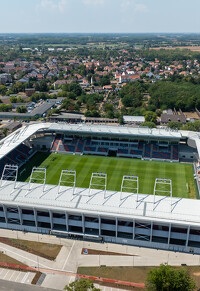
183, 184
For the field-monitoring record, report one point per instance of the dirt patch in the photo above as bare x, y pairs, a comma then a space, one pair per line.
196, 274
102, 253
36, 278
45, 250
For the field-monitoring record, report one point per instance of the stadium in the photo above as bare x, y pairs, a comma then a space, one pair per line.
134, 186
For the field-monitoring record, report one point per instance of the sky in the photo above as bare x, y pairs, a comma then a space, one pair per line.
99, 16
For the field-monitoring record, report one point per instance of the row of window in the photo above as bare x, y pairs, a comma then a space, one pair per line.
91, 231
103, 221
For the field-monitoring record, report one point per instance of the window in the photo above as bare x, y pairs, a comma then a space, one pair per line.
108, 221
142, 225
142, 237
179, 230
195, 231
44, 224
43, 213
125, 223
179, 242
108, 232
12, 209
28, 211
91, 231
75, 217
59, 227
28, 222
2, 219
125, 235
160, 239
13, 221
91, 219
75, 228
59, 215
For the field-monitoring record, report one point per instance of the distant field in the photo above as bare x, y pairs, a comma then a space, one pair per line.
181, 174
192, 48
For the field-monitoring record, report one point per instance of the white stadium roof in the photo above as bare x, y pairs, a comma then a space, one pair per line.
22, 134
165, 209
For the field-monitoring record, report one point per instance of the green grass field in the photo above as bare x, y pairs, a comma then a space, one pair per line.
183, 184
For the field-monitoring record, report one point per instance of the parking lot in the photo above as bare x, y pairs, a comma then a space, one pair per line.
16, 276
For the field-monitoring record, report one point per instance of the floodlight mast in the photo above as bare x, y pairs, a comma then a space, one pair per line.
10, 172
98, 185
38, 174
67, 177
162, 186
129, 183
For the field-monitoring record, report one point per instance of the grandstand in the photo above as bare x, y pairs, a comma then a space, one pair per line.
118, 147
96, 213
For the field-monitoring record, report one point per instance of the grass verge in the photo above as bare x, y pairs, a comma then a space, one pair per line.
45, 250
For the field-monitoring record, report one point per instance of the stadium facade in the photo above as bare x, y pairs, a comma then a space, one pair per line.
97, 214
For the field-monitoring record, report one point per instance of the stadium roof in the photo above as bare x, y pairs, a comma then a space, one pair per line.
14, 139
175, 210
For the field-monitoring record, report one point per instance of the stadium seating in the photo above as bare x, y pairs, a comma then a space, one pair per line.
175, 152
124, 148
17, 157
55, 144
136, 153
147, 152
162, 154
102, 150
123, 151
80, 145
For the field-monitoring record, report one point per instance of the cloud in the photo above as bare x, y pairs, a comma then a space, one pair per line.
133, 5
57, 5
141, 7
94, 2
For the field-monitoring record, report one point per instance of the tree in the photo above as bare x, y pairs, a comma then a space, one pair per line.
3, 89
150, 116
81, 285
13, 99
43, 86
167, 278
193, 126
174, 125
105, 80
5, 131
21, 109
149, 124
5, 108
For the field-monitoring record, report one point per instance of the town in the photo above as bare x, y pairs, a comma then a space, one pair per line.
112, 85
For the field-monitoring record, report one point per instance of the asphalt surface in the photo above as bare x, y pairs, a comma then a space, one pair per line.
13, 286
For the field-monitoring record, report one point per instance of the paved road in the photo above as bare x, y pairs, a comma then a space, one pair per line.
13, 286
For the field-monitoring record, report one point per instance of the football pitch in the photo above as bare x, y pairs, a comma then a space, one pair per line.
183, 184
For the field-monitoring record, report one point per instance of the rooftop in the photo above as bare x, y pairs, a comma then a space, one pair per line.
107, 203
14, 139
